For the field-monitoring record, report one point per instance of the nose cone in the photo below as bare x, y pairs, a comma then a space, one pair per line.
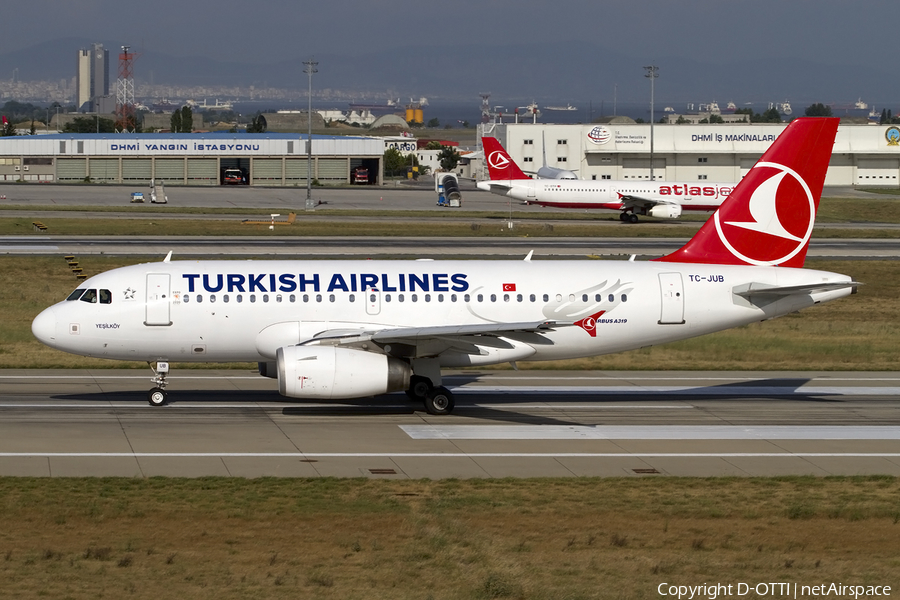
44, 327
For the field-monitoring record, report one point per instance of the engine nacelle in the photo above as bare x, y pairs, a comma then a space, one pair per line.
331, 373
665, 211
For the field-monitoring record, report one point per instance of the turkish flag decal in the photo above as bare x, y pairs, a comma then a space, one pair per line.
509, 287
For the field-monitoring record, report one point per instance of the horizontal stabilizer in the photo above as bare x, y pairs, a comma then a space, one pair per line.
771, 291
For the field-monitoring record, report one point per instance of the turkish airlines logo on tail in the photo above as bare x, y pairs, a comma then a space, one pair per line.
498, 160
776, 223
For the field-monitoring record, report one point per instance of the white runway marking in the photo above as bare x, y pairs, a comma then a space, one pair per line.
645, 432
27, 248
305, 455
288, 403
642, 390
690, 377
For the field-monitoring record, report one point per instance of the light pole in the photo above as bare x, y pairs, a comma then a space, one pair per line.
309, 70
652, 73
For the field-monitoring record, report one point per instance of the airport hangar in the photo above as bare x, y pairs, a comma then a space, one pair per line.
195, 159
864, 155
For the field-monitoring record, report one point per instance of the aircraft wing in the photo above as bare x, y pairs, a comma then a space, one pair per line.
457, 337
632, 201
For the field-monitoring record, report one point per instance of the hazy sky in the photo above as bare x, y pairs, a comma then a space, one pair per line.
837, 31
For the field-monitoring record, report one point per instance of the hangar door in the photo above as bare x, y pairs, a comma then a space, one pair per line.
202, 171
136, 170
267, 171
104, 169
876, 171
169, 170
71, 169
332, 170
639, 168
295, 171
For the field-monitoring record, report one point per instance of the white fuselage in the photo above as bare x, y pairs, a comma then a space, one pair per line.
246, 310
608, 194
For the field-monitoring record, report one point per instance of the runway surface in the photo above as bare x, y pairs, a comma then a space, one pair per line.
400, 247
396, 195
506, 424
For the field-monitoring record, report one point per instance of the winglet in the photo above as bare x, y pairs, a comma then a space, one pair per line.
768, 219
168, 257
500, 164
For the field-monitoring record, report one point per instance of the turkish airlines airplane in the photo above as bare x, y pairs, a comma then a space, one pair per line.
330, 330
662, 199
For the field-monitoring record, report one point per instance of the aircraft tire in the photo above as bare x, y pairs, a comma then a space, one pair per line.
157, 397
632, 218
439, 401
623, 216
418, 388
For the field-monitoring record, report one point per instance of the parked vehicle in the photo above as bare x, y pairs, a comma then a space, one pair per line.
232, 176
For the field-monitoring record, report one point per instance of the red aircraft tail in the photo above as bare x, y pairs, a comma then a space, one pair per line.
500, 164
768, 218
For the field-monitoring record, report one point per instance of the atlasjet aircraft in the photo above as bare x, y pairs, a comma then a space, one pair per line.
662, 199
329, 330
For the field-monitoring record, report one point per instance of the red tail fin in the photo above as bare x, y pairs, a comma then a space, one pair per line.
768, 218
500, 164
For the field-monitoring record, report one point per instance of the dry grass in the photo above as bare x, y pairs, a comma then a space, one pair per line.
479, 227
856, 333
578, 538
855, 210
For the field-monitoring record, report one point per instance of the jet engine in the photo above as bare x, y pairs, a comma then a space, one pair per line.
665, 211
328, 372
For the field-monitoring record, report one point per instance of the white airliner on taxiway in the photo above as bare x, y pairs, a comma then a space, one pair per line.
345, 329
662, 199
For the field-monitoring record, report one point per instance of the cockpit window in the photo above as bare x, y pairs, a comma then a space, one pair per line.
75, 295
105, 297
90, 296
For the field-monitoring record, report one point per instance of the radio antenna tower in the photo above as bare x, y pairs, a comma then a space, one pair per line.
125, 113
485, 107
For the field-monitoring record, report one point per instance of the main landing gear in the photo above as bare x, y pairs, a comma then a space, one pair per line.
438, 400
158, 396
628, 217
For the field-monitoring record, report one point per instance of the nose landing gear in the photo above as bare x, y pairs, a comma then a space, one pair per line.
158, 396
